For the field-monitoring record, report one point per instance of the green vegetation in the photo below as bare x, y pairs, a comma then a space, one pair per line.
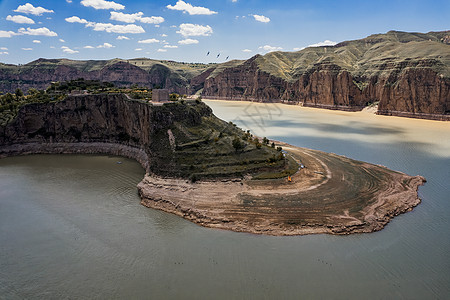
202, 145
11, 103
212, 148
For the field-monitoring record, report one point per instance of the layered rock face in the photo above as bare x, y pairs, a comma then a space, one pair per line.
42, 72
408, 74
88, 123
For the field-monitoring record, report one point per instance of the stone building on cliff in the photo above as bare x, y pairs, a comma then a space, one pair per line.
160, 95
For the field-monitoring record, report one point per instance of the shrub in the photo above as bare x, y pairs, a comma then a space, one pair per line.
237, 144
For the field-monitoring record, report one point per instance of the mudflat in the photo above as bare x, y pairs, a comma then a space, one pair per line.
330, 194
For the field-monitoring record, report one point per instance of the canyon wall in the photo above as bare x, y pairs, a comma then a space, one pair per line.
97, 124
414, 91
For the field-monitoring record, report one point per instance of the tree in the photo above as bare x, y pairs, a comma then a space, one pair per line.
19, 93
8, 98
265, 141
32, 91
272, 145
237, 144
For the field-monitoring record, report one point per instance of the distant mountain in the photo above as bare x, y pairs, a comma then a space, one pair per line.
141, 71
408, 74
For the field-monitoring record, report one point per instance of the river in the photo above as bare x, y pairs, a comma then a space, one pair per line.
72, 227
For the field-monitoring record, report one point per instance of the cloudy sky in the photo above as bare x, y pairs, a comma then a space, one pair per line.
187, 30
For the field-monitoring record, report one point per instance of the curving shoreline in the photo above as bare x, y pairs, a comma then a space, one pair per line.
259, 206
333, 194
222, 203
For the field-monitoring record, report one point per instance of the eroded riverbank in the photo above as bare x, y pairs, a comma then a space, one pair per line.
332, 194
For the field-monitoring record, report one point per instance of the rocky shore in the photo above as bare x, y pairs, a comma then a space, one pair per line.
333, 195
328, 194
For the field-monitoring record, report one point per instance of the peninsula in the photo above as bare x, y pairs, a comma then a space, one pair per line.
211, 172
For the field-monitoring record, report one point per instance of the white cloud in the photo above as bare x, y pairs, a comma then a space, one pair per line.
187, 29
105, 45
19, 19
69, 1
131, 18
298, 49
27, 49
30, 9
246, 50
261, 18
270, 48
36, 41
62, 41
88, 47
122, 37
170, 46
234, 1
4, 52
127, 18
324, 43
138, 49
190, 9
187, 42
52, 47
161, 50
148, 41
38, 31
102, 4
7, 34
108, 27
76, 19
66, 49
163, 35
152, 20
3, 48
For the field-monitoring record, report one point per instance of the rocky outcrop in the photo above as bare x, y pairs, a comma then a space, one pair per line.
365, 201
408, 74
42, 72
407, 91
87, 122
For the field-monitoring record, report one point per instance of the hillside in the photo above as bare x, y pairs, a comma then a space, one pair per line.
407, 74
141, 71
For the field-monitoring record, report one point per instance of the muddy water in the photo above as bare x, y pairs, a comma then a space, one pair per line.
72, 227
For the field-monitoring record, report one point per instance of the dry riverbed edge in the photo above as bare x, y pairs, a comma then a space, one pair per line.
333, 194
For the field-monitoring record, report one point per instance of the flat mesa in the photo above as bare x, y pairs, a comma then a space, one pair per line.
331, 194
213, 173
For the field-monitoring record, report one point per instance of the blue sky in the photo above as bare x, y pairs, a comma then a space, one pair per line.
187, 30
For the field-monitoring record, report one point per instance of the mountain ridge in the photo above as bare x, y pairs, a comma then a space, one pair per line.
406, 72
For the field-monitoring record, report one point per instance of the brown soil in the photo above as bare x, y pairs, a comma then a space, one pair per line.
332, 194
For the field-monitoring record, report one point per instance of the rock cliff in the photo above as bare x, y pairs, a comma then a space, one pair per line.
96, 120
144, 72
175, 139
407, 73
